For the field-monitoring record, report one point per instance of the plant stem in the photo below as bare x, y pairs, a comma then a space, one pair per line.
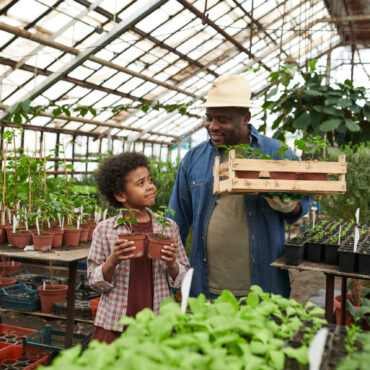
65, 169
4, 184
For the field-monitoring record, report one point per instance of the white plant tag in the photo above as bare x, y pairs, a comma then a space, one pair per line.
78, 221
313, 216
185, 289
26, 224
37, 226
9, 216
43, 285
59, 219
14, 224
340, 231
357, 237
12, 262
357, 215
3, 218
316, 349
105, 213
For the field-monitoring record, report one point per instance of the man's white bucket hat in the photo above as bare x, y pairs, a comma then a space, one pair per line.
229, 91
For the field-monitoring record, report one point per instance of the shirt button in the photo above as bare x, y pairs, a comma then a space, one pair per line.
252, 237
205, 259
193, 182
250, 213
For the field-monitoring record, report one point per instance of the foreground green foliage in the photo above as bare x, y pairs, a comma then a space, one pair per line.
226, 334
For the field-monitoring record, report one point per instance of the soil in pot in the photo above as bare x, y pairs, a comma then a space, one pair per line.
57, 237
51, 293
71, 237
156, 242
20, 238
43, 242
139, 242
84, 233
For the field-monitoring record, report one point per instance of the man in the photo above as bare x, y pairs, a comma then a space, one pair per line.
235, 236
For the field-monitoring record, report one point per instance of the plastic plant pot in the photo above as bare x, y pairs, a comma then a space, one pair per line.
331, 254
364, 262
42, 242
156, 242
84, 233
57, 237
51, 293
294, 254
314, 252
21, 238
348, 261
139, 242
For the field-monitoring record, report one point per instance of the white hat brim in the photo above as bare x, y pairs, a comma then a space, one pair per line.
223, 104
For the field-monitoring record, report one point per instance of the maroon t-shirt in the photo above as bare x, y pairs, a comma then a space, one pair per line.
140, 291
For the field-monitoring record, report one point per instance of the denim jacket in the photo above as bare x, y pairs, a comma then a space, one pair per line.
193, 201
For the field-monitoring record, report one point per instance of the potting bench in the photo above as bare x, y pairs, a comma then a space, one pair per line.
330, 272
68, 255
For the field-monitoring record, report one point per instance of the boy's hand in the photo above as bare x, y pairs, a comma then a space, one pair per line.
123, 250
168, 254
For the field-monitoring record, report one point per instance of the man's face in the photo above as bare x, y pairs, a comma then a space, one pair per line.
225, 126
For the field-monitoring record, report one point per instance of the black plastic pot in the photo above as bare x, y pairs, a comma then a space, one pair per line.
314, 251
364, 262
348, 260
331, 254
294, 254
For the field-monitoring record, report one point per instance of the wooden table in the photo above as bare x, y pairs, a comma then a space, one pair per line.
69, 255
331, 272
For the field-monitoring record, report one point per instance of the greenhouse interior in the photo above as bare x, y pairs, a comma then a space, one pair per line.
116, 237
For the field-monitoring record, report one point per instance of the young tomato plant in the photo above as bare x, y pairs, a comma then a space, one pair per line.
129, 219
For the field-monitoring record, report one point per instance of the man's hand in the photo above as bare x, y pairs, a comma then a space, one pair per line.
284, 205
168, 254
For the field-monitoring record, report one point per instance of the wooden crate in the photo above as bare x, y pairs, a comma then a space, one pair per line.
228, 176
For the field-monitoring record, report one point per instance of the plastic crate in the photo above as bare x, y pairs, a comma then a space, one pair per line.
24, 357
20, 297
94, 306
5, 350
52, 340
13, 334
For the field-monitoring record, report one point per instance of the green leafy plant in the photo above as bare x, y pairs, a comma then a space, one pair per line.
162, 216
310, 146
129, 218
340, 110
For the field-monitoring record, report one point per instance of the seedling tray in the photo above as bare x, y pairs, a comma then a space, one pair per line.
20, 297
23, 357
348, 261
52, 340
14, 334
314, 252
237, 171
82, 309
294, 254
331, 256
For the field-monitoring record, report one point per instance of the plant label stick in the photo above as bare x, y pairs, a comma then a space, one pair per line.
37, 226
105, 213
357, 215
316, 349
340, 230
357, 237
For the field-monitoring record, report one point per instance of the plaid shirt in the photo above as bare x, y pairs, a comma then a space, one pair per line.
113, 301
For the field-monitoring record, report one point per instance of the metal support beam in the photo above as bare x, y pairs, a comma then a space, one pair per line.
220, 30
118, 30
97, 123
159, 43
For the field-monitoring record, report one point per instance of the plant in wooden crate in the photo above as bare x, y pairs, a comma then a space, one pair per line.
312, 105
138, 238
156, 241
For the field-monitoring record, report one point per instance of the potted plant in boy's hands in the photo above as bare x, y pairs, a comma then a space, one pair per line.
137, 238
156, 241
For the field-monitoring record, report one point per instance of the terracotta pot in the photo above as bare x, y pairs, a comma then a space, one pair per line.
43, 242
314, 176
284, 175
84, 233
138, 239
91, 230
71, 237
5, 282
247, 174
9, 267
8, 231
52, 293
20, 238
3, 238
156, 242
349, 319
57, 237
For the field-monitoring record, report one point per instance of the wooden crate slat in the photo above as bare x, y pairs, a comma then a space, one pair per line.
289, 166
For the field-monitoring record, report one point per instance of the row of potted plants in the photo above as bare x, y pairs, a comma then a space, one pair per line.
327, 242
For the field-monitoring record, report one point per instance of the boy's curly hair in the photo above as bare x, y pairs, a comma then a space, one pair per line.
111, 175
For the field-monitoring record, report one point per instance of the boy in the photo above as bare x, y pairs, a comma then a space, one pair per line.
130, 284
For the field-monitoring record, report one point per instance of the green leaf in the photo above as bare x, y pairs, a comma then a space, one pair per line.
277, 359
313, 93
352, 125
17, 119
330, 124
69, 166
302, 121
333, 111
312, 64
26, 106
252, 299
344, 103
